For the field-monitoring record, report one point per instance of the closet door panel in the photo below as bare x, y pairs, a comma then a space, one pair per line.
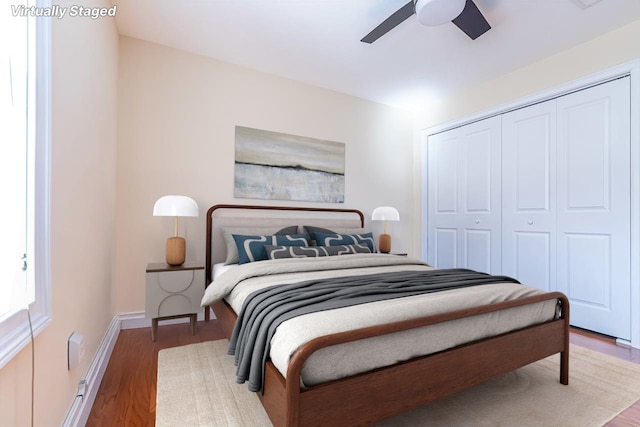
443, 215
529, 194
594, 206
477, 173
587, 154
464, 197
446, 248
478, 250
446, 176
533, 261
588, 270
480, 196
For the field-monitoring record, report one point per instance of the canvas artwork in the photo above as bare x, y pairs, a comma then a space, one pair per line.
272, 165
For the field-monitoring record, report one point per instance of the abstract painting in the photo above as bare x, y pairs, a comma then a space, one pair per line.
278, 166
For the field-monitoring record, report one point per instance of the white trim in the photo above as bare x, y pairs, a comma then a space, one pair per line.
138, 320
631, 69
16, 334
134, 321
622, 342
81, 407
634, 298
425, 196
20, 337
43, 167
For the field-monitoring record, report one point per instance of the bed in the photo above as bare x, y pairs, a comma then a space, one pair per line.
298, 390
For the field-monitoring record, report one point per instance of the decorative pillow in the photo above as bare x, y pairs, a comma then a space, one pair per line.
232, 249
311, 230
345, 239
276, 252
252, 248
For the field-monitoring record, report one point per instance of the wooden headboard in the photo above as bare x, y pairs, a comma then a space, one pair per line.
219, 216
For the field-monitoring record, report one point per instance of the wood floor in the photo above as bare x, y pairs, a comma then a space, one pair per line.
127, 395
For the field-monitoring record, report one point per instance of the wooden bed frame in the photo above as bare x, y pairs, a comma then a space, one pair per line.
384, 392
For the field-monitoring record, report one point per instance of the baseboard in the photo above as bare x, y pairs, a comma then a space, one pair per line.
81, 408
622, 342
138, 320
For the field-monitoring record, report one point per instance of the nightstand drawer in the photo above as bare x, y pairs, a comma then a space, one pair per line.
172, 293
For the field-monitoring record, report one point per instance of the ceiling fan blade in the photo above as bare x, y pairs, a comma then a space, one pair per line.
390, 23
471, 21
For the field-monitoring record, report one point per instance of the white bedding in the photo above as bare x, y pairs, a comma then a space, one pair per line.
220, 268
360, 356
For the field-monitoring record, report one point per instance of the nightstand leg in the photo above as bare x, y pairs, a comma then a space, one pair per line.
154, 329
194, 319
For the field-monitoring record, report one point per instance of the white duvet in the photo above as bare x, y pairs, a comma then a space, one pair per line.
347, 359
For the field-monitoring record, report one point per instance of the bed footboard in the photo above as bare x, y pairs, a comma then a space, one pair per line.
439, 375
444, 372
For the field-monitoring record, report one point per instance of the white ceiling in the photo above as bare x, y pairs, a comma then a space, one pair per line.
318, 41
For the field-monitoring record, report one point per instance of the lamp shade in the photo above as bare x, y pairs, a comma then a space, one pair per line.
175, 206
385, 213
438, 12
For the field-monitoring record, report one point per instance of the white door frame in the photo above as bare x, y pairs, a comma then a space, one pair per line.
632, 69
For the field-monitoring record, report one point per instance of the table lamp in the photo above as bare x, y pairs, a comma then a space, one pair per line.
175, 206
385, 213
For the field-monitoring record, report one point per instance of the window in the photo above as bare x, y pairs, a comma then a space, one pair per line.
24, 176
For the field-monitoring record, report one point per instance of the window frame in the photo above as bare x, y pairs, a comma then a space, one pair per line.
16, 330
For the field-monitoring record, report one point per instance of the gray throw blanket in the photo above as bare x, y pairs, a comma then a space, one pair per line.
265, 309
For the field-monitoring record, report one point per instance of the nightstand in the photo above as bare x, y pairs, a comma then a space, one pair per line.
173, 292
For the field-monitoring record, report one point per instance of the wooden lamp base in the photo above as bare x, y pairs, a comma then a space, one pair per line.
176, 249
384, 244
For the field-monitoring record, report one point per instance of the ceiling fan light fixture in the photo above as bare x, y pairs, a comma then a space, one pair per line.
438, 12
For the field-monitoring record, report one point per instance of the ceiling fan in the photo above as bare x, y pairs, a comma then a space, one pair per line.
463, 13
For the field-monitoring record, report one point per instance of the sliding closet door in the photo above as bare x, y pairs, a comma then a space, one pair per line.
464, 197
529, 195
594, 206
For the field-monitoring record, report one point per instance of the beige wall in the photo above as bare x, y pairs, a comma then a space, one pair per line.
177, 114
83, 169
601, 53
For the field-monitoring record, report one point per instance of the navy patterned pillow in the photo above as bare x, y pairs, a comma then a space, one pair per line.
311, 230
230, 243
346, 239
251, 248
276, 252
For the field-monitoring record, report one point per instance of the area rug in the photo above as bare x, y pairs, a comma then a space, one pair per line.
196, 387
